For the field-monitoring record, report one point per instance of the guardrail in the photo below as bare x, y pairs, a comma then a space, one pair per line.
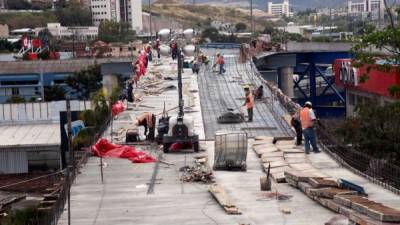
221, 45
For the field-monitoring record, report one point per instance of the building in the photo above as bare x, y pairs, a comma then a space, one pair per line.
30, 135
376, 88
129, 11
61, 32
374, 7
279, 9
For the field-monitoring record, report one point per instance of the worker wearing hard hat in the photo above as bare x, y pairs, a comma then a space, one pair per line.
249, 103
308, 119
148, 120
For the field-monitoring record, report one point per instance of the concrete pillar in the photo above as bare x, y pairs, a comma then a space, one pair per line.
286, 81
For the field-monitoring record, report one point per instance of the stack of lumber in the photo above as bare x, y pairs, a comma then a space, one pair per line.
281, 157
327, 192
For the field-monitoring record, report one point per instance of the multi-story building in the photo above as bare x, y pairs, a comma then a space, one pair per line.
367, 6
61, 32
279, 9
128, 11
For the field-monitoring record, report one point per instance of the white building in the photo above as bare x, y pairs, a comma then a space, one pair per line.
81, 33
367, 6
129, 11
279, 9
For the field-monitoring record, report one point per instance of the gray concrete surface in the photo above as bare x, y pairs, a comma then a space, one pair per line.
123, 198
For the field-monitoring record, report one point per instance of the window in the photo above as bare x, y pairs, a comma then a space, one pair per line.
15, 91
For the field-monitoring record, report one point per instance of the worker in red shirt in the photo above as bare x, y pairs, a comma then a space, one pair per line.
221, 63
308, 119
249, 103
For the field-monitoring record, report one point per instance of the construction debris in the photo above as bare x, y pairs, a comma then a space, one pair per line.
197, 174
219, 193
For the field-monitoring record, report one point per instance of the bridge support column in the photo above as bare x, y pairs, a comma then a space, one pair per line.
286, 81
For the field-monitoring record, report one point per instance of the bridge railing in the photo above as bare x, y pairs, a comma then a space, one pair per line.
376, 170
221, 45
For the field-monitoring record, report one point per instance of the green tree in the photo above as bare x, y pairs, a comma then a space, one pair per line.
86, 81
210, 33
111, 31
74, 15
16, 99
387, 40
54, 93
240, 27
374, 131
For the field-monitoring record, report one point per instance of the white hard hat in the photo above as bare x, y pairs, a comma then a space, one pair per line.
308, 103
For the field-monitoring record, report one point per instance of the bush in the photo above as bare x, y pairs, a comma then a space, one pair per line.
16, 99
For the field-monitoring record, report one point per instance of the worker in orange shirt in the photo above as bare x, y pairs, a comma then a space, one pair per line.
308, 119
249, 103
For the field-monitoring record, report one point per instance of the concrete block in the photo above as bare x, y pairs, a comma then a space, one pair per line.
384, 215
292, 182
279, 177
342, 200
320, 183
303, 186
345, 211
333, 206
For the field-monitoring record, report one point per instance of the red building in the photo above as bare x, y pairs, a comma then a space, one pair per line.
375, 87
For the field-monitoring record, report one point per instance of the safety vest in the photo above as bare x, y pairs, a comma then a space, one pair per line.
305, 118
250, 101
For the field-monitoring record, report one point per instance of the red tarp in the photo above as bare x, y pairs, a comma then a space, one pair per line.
118, 108
104, 148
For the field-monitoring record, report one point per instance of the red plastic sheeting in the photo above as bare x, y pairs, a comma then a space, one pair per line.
118, 108
103, 148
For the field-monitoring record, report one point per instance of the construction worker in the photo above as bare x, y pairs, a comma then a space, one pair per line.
157, 46
174, 49
296, 124
221, 63
259, 93
148, 120
308, 119
249, 103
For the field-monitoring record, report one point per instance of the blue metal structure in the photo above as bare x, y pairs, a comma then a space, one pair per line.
309, 66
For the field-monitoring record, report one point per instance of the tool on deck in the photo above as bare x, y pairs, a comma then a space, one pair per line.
232, 116
230, 150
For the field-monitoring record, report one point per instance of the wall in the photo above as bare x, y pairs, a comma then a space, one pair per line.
38, 111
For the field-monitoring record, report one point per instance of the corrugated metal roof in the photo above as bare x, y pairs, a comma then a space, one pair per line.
12, 136
52, 66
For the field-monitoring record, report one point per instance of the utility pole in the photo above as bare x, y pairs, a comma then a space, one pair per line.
151, 28
251, 17
71, 155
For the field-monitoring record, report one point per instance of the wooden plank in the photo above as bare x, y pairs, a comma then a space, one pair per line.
271, 159
265, 138
219, 193
296, 160
280, 169
295, 155
261, 142
291, 150
272, 154
276, 164
302, 166
265, 146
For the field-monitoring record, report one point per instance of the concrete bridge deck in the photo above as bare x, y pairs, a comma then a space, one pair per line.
123, 200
